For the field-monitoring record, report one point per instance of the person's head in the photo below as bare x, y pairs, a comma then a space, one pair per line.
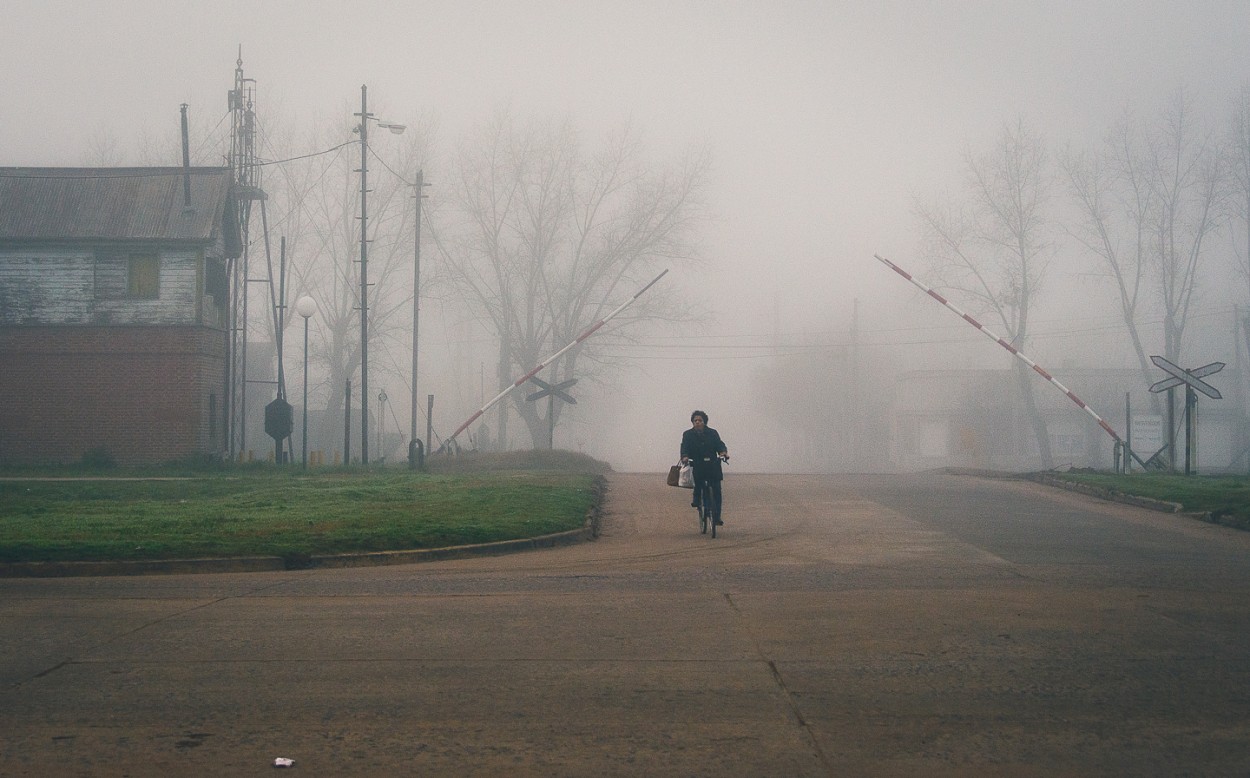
698, 419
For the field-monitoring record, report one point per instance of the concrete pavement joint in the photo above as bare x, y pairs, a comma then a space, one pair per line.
786, 694
140, 628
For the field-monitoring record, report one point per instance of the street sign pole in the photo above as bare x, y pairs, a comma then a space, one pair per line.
1191, 431
1128, 435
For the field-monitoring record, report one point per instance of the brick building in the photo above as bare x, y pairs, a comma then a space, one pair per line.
113, 312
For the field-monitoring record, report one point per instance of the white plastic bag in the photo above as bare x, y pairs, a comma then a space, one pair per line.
685, 479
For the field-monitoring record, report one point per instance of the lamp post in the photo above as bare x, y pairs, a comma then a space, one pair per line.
306, 307
363, 129
381, 412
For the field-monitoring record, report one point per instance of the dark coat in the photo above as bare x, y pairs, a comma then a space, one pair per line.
701, 447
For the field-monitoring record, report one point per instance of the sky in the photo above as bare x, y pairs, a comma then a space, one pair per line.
826, 121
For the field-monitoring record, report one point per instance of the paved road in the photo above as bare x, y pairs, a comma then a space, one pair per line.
849, 625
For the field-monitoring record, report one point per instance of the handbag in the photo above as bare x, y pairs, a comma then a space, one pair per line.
681, 475
673, 475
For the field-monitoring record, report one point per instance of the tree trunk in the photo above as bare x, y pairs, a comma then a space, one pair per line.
1036, 420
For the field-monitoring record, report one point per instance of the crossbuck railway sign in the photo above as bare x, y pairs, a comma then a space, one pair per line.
1191, 378
553, 390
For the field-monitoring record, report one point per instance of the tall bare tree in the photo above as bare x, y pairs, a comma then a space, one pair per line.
992, 247
1116, 201
543, 239
1150, 200
1239, 178
1186, 176
314, 201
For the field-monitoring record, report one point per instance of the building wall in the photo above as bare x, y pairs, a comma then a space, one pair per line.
87, 285
143, 394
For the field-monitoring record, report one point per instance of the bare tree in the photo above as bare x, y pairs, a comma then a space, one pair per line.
1116, 201
1185, 174
1239, 179
1150, 200
314, 202
992, 249
542, 240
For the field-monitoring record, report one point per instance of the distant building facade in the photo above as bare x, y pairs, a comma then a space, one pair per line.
113, 313
977, 419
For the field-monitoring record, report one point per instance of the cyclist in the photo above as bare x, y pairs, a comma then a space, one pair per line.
702, 448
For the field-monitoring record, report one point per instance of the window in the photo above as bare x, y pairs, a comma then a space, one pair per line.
145, 276
120, 275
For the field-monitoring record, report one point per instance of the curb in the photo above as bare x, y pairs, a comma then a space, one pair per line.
1140, 502
1162, 506
1108, 494
263, 564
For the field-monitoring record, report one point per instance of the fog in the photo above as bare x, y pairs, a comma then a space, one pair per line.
825, 121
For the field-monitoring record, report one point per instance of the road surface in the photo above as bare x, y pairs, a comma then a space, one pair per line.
928, 624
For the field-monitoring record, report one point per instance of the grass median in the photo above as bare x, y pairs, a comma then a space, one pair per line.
70, 515
1225, 498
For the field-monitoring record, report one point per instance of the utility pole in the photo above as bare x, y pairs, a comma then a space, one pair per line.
416, 296
364, 277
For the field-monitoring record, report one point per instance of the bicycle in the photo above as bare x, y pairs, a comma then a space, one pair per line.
704, 501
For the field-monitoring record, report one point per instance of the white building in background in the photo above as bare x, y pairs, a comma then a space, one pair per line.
976, 419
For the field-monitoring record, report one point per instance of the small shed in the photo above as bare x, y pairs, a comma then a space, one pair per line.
114, 294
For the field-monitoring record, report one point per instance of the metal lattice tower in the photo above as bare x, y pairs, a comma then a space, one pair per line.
246, 181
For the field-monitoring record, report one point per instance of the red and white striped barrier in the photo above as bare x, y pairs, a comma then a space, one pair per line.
1014, 351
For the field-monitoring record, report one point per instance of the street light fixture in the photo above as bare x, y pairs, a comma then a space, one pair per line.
306, 307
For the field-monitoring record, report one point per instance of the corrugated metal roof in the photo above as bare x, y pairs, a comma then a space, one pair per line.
53, 204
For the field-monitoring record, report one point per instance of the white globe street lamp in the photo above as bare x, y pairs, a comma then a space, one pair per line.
306, 307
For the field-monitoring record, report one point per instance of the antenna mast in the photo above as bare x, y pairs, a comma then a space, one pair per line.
246, 185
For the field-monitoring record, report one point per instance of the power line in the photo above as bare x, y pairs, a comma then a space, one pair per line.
307, 156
